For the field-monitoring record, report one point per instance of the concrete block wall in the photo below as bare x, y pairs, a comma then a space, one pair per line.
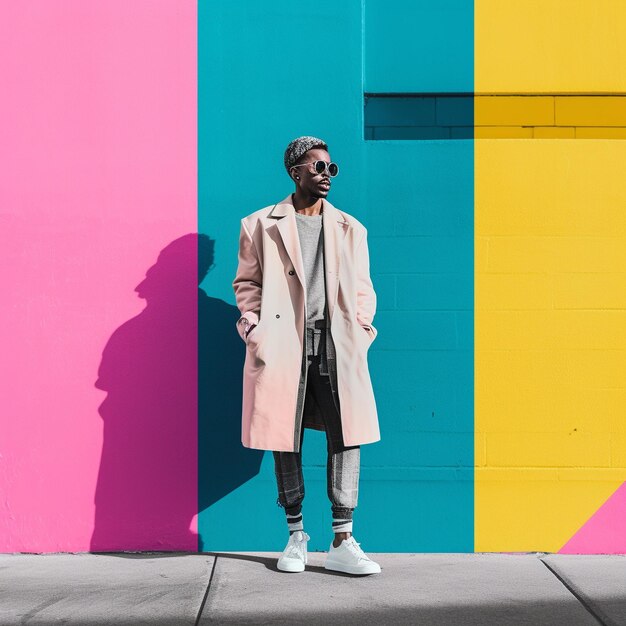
419, 117
416, 202
550, 234
98, 215
521, 116
419, 200
499, 265
550, 116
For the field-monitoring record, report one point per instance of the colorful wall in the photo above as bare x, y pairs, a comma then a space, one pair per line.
98, 223
480, 143
550, 276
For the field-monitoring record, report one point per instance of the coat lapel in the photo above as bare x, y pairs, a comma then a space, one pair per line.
335, 228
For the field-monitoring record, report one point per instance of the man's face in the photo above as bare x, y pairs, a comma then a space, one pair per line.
312, 183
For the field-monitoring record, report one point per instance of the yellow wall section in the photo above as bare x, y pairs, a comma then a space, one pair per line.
550, 337
550, 46
550, 258
550, 116
514, 110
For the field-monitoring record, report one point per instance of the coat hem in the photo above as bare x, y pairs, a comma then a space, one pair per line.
257, 447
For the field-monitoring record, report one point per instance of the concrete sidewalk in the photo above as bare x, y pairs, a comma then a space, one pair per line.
247, 588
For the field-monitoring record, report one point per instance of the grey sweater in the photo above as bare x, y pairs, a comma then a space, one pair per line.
311, 235
312, 246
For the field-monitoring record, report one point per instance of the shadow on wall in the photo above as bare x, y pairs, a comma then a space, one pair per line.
172, 414
223, 462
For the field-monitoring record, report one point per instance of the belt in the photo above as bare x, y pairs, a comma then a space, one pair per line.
313, 340
316, 345
314, 337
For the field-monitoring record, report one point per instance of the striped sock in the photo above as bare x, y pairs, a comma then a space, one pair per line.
342, 525
294, 522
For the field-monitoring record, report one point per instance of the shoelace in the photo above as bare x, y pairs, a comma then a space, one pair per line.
355, 547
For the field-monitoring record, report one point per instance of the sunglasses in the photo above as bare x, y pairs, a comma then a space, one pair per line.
321, 166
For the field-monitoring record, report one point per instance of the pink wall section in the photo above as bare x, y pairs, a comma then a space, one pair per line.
98, 173
605, 531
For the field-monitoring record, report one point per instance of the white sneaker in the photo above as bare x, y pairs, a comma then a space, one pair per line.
349, 558
293, 558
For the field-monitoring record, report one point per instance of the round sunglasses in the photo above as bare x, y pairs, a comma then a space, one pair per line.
320, 166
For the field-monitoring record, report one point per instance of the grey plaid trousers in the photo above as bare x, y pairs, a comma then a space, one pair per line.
343, 462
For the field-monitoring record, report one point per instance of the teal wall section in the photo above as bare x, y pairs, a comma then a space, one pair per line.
442, 116
418, 46
271, 72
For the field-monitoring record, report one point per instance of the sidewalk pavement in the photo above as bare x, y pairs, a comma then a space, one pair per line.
246, 588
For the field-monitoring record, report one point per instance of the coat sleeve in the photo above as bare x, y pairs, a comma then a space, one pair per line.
366, 296
248, 280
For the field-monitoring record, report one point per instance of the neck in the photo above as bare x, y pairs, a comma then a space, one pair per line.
308, 205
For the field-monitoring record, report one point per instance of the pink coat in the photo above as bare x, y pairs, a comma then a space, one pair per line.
270, 291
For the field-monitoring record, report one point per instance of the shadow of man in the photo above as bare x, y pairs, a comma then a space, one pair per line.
172, 414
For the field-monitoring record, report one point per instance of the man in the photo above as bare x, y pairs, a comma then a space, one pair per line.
307, 304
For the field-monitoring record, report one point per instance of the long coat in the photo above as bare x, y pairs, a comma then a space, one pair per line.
270, 292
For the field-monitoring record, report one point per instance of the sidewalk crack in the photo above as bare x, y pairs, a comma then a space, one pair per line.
601, 620
206, 593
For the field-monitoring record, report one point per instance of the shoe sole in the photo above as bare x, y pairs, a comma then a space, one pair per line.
340, 567
294, 571
291, 571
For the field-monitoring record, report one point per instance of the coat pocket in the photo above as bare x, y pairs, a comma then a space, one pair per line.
252, 336
366, 336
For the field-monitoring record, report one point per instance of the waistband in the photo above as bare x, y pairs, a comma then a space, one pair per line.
316, 347
313, 340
